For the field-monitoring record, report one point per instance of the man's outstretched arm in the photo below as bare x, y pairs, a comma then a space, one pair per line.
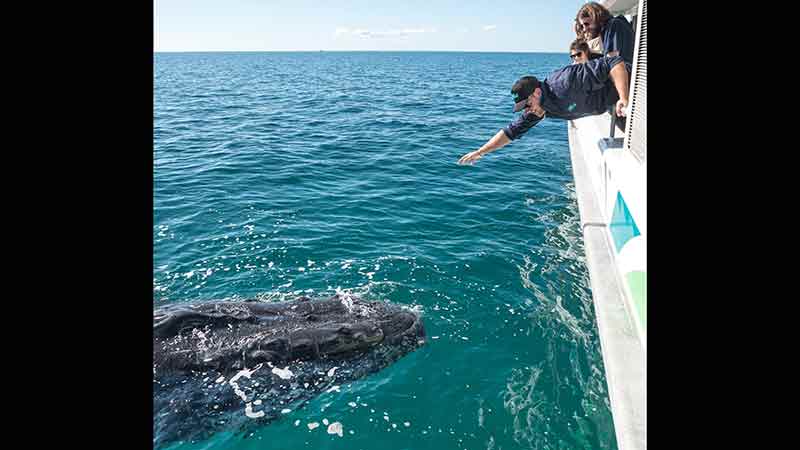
499, 140
533, 115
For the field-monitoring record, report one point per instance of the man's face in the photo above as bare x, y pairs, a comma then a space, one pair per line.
578, 56
534, 100
589, 26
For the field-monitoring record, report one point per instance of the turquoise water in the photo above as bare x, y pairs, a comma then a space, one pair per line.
279, 174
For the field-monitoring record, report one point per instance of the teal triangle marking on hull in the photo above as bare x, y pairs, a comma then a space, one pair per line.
623, 228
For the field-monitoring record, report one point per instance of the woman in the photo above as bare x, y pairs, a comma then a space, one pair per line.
605, 35
579, 51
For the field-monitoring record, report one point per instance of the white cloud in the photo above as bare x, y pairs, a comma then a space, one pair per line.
368, 34
362, 32
489, 27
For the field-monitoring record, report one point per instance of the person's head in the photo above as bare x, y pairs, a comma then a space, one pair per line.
591, 18
579, 51
523, 91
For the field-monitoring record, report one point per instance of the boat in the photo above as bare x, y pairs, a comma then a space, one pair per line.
609, 166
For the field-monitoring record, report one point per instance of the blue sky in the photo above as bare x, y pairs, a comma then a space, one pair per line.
304, 25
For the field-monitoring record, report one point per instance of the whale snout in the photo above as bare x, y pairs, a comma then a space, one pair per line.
402, 326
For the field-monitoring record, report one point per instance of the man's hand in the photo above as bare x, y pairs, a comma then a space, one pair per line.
621, 105
470, 157
497, 141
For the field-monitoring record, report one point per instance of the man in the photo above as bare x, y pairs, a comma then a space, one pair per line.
572, 92
594, 21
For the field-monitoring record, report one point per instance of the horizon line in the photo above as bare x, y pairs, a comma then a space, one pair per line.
344, 51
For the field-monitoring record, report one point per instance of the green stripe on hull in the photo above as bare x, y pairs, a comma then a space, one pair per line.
637, 282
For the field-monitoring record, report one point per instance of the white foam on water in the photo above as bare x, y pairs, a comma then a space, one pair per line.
330, 372
286, 411
248, 411
335, 428
297, 422
325, 421
247, 373
352, 404
285, 374
313, 425
347, 301
335, 388
416, 309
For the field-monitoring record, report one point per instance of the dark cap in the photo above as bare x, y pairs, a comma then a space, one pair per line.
522, 89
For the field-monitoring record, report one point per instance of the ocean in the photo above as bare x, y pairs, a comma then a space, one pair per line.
310, 173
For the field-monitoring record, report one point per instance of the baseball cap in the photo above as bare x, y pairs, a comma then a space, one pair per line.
522, 89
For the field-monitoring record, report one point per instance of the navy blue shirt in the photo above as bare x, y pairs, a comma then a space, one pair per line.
572, 92
618, 37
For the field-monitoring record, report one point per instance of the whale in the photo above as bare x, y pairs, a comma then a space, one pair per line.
235, 366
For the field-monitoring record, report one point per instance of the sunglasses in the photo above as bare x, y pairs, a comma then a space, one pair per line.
575, 55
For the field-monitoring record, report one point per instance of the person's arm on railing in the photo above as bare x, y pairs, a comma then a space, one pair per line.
619, 75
